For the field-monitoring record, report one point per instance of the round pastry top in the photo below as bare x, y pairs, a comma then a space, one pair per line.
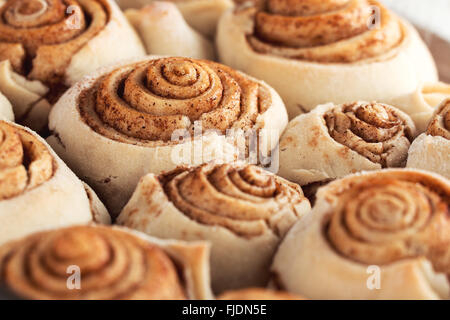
40, 37
331, 31
374, 130
382, 217
242, 198
109, 264
146, 103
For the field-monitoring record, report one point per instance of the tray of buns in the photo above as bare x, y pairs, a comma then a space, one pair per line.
224, 149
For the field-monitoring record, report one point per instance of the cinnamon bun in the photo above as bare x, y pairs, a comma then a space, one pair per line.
37, 190
431, 150
156, 114
333, 141
423, 102
103, 263
243, 210
51, 44
377, 235
313, 52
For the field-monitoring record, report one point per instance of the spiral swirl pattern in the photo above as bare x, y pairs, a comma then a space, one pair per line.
148, 101
374, 130
239, 198
40, 37
25, 162
389, 216
331, 31
113, 265
440, 124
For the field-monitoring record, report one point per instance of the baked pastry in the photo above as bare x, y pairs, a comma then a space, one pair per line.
313, 52
243, 210
51, 44
164, 31
112, 263
258, 294
422, 103
156, 114
377, 235
37, 190
431, 150
333, 141
202, 15
6, 112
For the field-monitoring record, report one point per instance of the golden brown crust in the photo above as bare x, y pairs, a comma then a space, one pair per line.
383, 217
337, 31
145, 103
440, 123
25, 162
113, 264
40, 37
241, 198
374, 130
258, 294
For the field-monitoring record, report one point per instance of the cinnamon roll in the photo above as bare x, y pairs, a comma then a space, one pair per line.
164, 31
5, 109
431, 150
258, 294
202, 15
103, 263
159, 113
377, 235
37, 190
423, 102
333, 141
243, 210
51, 44
299, 46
